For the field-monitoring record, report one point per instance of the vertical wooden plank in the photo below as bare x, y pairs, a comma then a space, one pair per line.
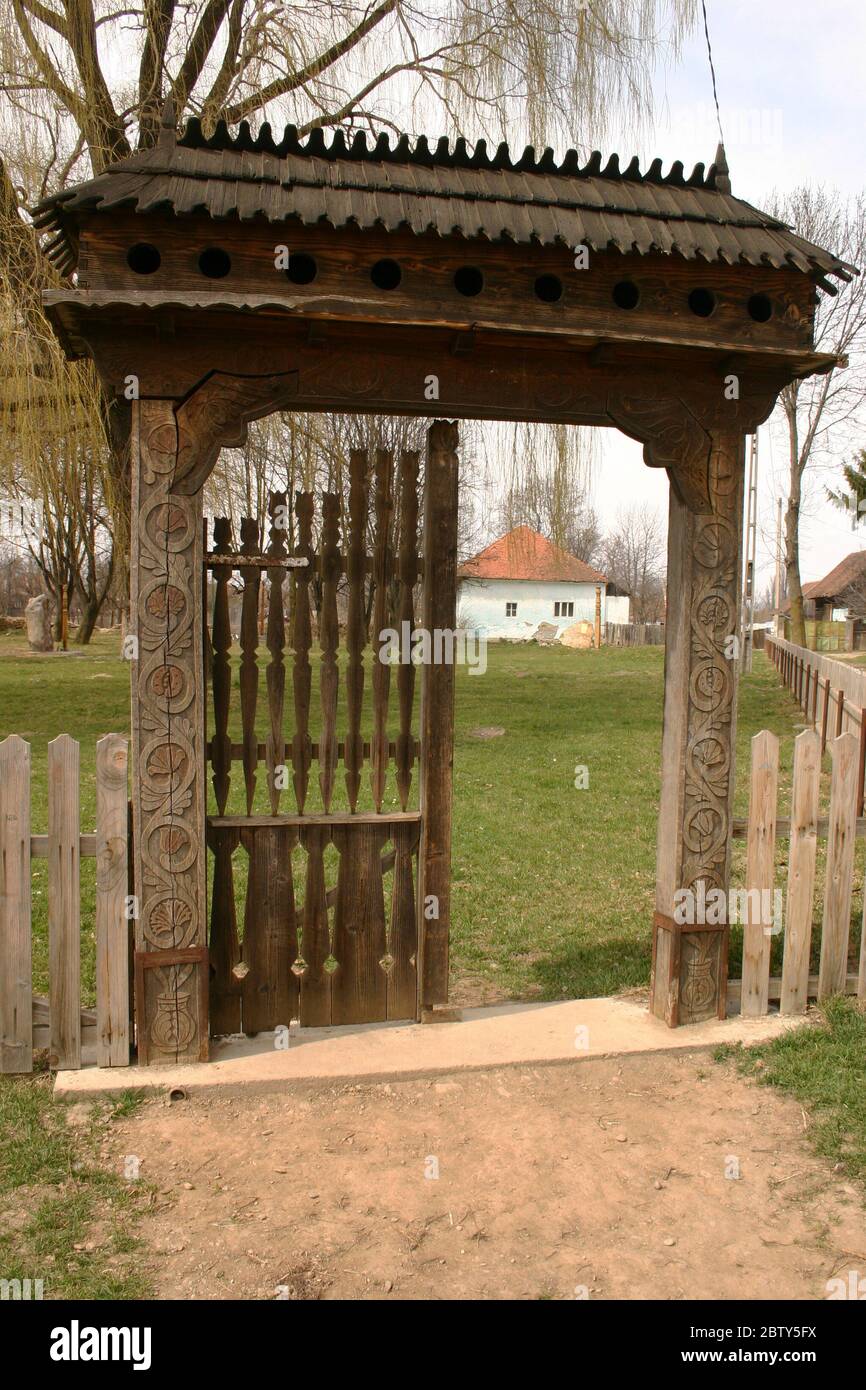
301, 640
16, 970
275, 747
354, 744
315, 993
437, 714
112, 923
408, 575
825, 714
381, 579
270, 945
861, 767
64, 926
861, 978
840, 867
221, 679
840, 711
760, 856
249, 672
402, 983
359, 986
330, 569
224, 953
801, 872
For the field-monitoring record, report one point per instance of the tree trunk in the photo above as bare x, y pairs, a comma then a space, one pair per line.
792, 529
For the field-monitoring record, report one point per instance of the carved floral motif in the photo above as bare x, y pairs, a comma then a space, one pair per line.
168, 735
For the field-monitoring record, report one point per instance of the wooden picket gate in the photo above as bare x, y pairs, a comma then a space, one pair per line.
333, 927
59, 1023
803, 829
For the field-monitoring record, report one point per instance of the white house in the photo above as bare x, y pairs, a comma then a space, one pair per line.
522, 580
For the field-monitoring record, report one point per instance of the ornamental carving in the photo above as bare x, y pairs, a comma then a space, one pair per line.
168, 738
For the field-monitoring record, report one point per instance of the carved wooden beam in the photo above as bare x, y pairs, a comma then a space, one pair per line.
677, 430
216, 415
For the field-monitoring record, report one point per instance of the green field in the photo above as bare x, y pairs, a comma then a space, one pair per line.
553, 886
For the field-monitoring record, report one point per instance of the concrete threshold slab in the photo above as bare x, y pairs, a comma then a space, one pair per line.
503, 1035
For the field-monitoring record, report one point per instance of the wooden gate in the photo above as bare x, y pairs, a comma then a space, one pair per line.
319, 790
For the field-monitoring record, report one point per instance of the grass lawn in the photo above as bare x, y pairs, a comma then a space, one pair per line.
825, 1069
63, 1218
553, 885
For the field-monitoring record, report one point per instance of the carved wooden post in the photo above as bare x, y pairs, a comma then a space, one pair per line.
168, 797
689, 977
439, 611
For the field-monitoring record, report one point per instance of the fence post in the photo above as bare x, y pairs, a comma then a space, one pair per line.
840, 868
112, 924
64, 906
16, 988
761, 854
801, 872
824, 714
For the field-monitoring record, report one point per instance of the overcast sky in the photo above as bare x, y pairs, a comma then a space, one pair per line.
790, 80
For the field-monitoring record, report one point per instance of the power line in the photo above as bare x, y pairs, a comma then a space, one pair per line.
712, 70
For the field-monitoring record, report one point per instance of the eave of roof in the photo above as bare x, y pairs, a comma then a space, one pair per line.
446, 190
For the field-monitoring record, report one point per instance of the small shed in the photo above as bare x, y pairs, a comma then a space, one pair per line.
523, 579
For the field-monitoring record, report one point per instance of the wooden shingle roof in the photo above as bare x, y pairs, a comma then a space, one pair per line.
447, 190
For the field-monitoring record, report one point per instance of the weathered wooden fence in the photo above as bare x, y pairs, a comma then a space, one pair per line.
803, 829
59, 1023
832, 695
634, 634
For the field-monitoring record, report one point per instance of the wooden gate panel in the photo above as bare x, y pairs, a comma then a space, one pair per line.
351, 953
315, 1005
270, 944
359, 984
225, 988
402, 981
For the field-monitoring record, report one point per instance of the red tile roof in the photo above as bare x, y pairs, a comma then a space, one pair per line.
524, 554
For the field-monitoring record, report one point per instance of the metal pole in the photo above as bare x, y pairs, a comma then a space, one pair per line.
777, 587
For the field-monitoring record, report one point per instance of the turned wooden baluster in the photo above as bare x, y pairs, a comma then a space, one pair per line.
301, 639
221, 744
249, 675
381, 578
354, 750
275, 748
330, 568
408, 573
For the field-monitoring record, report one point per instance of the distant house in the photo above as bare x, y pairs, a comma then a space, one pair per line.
841, 594
522, 580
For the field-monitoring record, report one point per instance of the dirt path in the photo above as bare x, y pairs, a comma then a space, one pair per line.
606, 1177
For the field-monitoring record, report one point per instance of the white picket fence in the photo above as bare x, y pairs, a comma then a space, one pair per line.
59, 1023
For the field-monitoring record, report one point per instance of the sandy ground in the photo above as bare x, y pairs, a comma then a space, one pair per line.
603, 1179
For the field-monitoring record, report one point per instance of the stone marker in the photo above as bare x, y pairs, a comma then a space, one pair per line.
37, 617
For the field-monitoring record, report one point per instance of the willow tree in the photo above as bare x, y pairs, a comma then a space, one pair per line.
53, 445
84, 81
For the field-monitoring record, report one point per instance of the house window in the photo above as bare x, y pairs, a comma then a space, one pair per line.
563, 609
511, 610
